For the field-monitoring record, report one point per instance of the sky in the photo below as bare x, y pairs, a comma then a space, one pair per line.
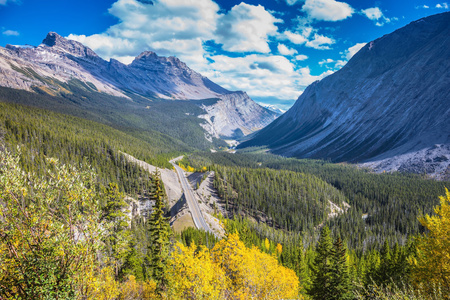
271, 49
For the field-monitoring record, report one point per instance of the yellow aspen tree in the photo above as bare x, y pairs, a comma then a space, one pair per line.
253, 274
267, 245
192, 274
279, 249
431, 266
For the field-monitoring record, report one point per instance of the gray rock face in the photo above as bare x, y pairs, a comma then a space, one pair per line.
56, 41
391, 99
58, 60
234, 116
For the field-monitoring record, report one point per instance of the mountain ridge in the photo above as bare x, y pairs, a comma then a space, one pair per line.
58, 61
391, 98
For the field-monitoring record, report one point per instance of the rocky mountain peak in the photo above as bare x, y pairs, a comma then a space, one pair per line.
147, 55
75, 48
150, 60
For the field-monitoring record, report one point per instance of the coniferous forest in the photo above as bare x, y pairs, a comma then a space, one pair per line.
296, 229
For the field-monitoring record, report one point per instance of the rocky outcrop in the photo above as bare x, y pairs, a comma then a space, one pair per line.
234, 116
391, 99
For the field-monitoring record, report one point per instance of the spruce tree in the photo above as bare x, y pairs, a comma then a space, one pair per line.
114, 214
321, 273
159, 234
384, 273
133, 262
341, 285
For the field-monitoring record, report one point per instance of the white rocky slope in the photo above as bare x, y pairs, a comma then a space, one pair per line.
58, 61
390, 105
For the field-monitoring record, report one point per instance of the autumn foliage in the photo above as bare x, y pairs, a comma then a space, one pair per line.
229, 271
431, 266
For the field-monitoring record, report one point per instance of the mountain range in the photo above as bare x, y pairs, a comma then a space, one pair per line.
57, 62
388, 107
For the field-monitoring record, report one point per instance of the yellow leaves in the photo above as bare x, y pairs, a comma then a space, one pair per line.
252, 273
182, 166
229, 271
279, 249
267, 245
101, 286
193, 273
131, 289
431, 267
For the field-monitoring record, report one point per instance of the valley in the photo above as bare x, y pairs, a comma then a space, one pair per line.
148, 180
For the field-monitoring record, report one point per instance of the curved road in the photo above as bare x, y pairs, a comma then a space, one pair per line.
197, 216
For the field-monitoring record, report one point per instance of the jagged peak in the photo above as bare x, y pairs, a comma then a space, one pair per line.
52, 39
147, 55
151, 57
73, 47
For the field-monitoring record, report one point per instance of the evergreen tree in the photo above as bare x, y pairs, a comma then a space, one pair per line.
341, 285
159, 234
114, 213
320, 288
133, 263
384, 274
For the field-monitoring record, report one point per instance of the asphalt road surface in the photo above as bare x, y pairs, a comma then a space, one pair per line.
197, 216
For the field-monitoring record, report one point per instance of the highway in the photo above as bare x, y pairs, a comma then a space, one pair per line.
194, 208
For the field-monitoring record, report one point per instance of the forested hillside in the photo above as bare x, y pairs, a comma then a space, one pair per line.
39, 134
382, 206
291, 200
168, 125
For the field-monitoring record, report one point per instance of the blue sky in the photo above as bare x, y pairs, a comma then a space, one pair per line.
270, 49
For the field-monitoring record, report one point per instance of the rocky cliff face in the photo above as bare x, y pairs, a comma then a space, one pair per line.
391, 99
234, 116
58, 61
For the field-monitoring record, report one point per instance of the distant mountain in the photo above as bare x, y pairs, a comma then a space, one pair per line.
388, 106
273, 108
58, 61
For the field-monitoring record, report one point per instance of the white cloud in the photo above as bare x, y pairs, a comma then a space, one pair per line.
292, 2
10, 33
339, 64
295, 37
284, 50
320, 42
262, 75
327, 10
246, 28
422, 6
181, 28
317, 41
353, 50
443, 5
346, 55
168, 27
326, 61
301, 57
375, 14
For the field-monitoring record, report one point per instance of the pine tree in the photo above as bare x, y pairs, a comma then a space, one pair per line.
159, 234
384, 274
114, 213
341, 286
320, 288
132, 263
